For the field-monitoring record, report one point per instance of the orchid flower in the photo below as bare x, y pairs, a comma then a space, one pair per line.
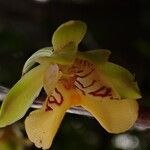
71, 78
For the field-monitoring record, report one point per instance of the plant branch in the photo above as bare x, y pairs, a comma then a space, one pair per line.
143, 120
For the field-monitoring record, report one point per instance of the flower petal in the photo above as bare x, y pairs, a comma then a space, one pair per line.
44, 52
101, 98
42, 125
66, 56
71, 31
46, 55
21, 96
115, 116
51, 78
95, 56
122, 80
90, 80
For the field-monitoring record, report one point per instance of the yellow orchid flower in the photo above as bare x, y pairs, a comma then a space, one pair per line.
71, 78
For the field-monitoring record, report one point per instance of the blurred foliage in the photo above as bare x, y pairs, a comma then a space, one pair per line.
121, 26
12, 138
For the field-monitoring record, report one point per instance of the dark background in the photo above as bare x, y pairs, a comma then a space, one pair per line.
120, 26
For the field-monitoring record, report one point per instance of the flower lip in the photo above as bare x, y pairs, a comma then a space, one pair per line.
82, 75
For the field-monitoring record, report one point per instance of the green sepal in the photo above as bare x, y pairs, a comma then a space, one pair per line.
95, 56
122, 80
71, 31
64, 57
44, 52
21, 96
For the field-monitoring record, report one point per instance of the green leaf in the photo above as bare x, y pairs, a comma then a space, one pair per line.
71, 31
21, 96
6, 145
95, 56
122, 80
44, 52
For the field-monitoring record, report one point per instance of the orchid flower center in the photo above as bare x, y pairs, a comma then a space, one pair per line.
84, 78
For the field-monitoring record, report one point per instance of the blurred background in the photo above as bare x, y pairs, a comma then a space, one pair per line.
120, 26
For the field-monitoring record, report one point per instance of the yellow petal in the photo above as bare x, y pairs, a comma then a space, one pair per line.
71, 31
115, 116
42, 125
21, 96
51, 78
122, 80
98, 56
67, 54
34, 58
101, 99
64, 57
90, 80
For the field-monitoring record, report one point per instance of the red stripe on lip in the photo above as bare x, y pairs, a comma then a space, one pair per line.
53, 100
